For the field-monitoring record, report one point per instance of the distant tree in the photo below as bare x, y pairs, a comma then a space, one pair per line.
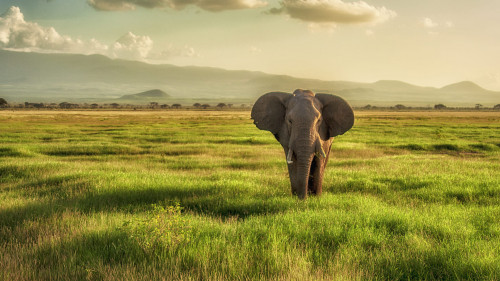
3, 102
497, 107
205, 106
368, 106
33, 105
439, 106
114, 105
400, 106
153, 104
94, 105
64, 105
221, 105
67, 105
197, 105
479, 106
164, 106
176, 105
229, 105
243, 105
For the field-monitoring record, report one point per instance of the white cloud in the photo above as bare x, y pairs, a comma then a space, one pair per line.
132, 46
18, 34
428, 23
433, 27
208, 5
334, 11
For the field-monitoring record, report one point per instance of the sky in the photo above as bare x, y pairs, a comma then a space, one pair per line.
424, 42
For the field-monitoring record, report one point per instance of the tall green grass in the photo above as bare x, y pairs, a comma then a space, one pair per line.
205, 196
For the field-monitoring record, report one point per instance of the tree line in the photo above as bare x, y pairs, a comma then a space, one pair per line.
206, 106
439, 106
151, 105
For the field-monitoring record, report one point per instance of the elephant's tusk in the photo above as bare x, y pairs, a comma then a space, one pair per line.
319, 149
289, 156
323, 153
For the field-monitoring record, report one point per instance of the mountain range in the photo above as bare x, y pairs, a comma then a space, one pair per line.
38, 77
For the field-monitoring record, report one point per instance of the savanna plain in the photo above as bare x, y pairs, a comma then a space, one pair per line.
205, 195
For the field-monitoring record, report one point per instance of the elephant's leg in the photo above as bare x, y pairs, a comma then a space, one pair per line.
313, 177
317, 171
316, 176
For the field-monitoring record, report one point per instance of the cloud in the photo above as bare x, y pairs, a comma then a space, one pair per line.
18, 34
132, 46
208, 5
433, 28
333, 11
138, 47
428, 23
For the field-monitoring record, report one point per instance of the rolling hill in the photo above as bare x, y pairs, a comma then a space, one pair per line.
151, 95
37, 77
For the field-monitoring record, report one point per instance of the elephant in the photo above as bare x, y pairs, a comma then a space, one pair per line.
304, 123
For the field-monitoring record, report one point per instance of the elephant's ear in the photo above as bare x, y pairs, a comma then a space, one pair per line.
337, 113
269, 111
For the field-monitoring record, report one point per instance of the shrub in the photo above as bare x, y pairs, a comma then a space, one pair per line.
162, 229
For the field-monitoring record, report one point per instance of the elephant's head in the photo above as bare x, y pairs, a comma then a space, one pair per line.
304, 123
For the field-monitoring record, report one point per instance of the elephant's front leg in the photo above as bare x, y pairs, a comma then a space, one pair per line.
318, 170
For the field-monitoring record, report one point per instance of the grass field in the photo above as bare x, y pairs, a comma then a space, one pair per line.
193, 195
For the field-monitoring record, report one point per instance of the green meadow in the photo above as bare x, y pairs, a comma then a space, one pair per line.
205, 195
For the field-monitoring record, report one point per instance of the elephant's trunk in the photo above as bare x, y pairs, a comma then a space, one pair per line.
305, 149
303, 172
